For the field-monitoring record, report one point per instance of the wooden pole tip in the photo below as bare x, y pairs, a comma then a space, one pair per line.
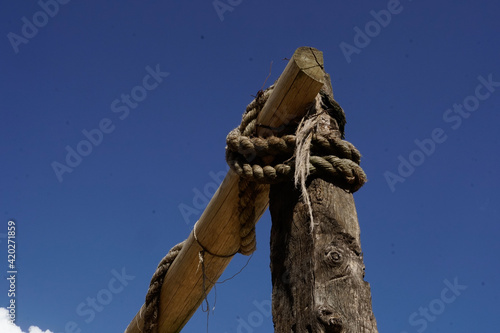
310, 61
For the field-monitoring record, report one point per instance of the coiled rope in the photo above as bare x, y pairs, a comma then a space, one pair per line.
153, 295
271, 160
332, 159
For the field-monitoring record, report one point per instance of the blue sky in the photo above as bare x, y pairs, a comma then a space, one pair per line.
419, 82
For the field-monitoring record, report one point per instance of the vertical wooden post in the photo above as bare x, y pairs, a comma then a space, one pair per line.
317, 274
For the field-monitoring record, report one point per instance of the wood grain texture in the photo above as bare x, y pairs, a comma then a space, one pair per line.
317, 274
299, 84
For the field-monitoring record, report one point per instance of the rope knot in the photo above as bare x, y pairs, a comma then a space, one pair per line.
326, 156
294, 156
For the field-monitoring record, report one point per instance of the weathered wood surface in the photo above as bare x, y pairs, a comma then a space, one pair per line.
218, 227
318, 275
295, 94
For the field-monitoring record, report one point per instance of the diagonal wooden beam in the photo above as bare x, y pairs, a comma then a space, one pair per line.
218, 227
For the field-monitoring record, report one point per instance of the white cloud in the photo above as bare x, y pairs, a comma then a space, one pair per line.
7, 327
34, 329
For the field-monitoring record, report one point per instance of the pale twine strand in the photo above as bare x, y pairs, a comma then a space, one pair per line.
304, 136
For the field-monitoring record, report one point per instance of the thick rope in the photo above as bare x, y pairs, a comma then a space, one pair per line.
153, 295
246, 209
247, 188
294, 156
332, 159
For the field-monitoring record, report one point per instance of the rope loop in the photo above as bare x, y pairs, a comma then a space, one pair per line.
331, 158
326, 156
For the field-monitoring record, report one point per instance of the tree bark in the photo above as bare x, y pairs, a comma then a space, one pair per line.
317, 274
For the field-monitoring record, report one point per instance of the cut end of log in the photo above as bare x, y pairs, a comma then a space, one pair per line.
310, 60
